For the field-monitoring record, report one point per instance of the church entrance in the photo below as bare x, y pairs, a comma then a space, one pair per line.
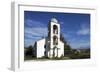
55, 52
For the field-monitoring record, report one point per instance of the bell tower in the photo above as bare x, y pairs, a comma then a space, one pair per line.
53, 38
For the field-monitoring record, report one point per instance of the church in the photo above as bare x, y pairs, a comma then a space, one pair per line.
51, 46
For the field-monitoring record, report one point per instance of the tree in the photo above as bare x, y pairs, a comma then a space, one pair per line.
67, 48
28, 50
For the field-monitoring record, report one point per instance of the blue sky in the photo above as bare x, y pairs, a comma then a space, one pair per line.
75, 27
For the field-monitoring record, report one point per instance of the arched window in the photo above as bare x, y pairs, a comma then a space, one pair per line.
55, 40
55, 29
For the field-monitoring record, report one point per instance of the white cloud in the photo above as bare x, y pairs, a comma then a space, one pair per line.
34, 30
83, 30
32, 23
34, 34
38, 31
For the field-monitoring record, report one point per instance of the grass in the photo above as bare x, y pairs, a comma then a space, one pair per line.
44, 58
67, 57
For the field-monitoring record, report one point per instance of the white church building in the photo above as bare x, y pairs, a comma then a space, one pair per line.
51, 46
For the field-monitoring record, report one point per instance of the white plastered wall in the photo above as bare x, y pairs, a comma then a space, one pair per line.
40, 48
